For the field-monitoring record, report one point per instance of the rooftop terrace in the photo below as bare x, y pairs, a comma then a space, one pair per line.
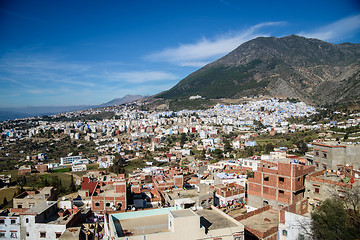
212, 220
141, 222
262, 222
41, 207
142, 225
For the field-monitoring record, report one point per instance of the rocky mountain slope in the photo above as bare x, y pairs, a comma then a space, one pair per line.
311, 70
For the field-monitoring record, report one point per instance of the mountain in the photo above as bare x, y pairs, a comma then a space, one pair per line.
23, 112
311, 70
119, 101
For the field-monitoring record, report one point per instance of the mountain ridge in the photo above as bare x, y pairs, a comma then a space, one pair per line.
291, 66
7, 113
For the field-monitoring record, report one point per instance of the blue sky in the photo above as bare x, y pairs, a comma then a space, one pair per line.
56, 53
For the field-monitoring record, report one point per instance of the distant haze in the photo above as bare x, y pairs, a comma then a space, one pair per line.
23, 112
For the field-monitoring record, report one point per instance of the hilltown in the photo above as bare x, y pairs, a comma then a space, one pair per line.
176, 175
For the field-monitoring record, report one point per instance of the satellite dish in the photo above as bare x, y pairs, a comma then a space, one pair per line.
63, 198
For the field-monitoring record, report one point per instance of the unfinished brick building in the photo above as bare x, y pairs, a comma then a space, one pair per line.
228, 193
278, 183
109, 196
162, 183
322, 184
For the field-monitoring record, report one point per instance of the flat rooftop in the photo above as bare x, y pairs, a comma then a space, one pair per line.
212, 220
183, 213
331, 144
110, 191
181, 193
41, 207
263, 221
142, 225
141, 222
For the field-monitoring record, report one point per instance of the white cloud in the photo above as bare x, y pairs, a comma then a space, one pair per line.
193, 64
41, 79
141, 76
201, 52
39, 91
337, 31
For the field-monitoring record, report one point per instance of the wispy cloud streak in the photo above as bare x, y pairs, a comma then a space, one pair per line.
141, 76
201, 52
49, 76
337, 31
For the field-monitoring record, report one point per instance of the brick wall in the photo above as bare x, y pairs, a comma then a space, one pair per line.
300, 208
266, 234
252, 213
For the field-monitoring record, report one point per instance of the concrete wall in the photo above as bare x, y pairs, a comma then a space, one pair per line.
337, 155
294, 226
11, 230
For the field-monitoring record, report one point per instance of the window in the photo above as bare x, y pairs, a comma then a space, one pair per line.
42, 234
27, 234
281, 191
27, 220
281, 179
97, 204
284, 232
13, 235
266, 178
119, 205
325, 155
19, 206
58, 234
107, 204
2, 221
238, 237
2, 235
13, 221
317, 190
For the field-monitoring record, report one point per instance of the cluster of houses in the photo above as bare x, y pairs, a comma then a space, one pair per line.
262, 197
270, 113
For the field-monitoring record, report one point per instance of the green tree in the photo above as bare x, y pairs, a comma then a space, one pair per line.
302, 146
330, 221
227, 146
5, 202
183, 139
72, 184
269, 148
218, 153
249, 174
